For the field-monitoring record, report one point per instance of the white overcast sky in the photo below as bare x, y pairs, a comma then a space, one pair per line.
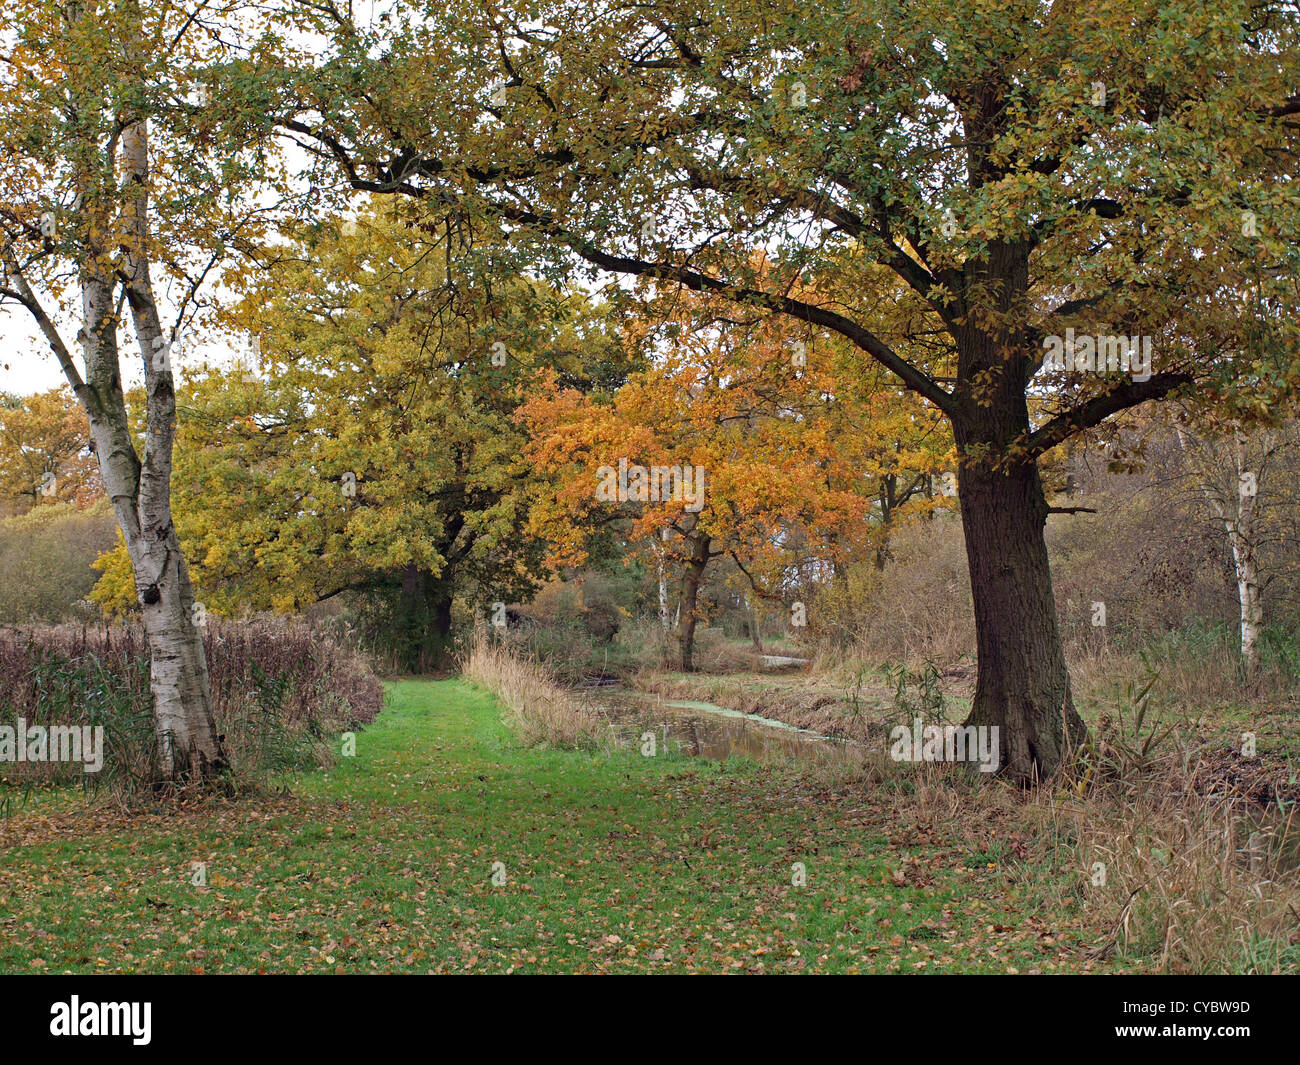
31, 366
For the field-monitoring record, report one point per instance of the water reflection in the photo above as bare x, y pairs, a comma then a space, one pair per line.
704, 730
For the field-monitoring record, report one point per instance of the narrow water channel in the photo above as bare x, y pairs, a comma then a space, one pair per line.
706, 730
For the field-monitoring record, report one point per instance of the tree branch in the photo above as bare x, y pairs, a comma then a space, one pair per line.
24, 295
1097, 409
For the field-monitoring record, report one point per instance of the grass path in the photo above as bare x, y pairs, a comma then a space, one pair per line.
612, 863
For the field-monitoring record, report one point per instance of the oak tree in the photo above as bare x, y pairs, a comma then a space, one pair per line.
1024, 167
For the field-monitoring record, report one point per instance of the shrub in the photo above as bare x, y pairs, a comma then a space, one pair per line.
917, 608
653, 648
280, 689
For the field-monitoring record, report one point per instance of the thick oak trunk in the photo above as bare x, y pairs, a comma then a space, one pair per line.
424, 620
1023, 685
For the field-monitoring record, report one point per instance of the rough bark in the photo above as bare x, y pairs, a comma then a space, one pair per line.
1023, 685
689, 605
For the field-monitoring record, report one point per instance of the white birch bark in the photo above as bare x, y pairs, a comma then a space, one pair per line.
111, 258
186, 732
1241, 534
662, 572
1236, 507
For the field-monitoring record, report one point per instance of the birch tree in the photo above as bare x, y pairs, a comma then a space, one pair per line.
1232, 475
94, 207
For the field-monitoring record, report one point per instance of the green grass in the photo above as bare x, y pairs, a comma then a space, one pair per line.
613, 863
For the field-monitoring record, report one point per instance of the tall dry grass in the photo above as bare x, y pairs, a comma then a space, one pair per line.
1171, 848
1183, 882
1156, 878
538, 710
280, 691
918, 608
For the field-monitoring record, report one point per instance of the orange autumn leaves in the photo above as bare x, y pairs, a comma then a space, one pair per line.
778, 421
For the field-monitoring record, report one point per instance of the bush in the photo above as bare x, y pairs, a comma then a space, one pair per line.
652, 647
279, 689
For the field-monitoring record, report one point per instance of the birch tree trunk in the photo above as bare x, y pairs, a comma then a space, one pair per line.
95, 158
1241, 535
1236, 507
188, 746
662, 573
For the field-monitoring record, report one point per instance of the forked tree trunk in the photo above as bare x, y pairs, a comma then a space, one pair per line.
189, 749
112, 241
